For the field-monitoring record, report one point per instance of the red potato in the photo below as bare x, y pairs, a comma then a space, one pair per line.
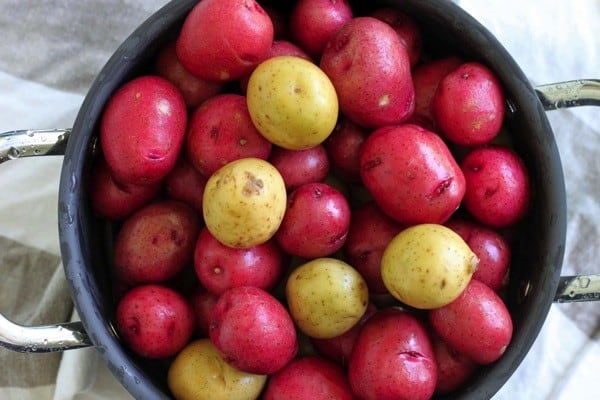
185, 183
154, 321
411, 174
156, 243
393, 358
426, 78
309, 378
490, 247
370, 232
343, 148
202, 302
222, 40
193, 89
469, 105
314, 22
339, 348
142, 130
407, 29
113, 200
221, 267
279, 20
298, 167
315, 223
454, 368
477, 323
221, 131
269, 340
498, 191
370, 70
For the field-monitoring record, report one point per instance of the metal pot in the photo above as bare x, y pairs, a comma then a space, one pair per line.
85, 240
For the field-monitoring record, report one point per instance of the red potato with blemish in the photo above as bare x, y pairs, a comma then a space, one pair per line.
469, 106
193, 89
222, 40
315, 223
370, 70
343, 148
393, 358
490, 247
156, 242
309, 378
269, 341
154, 321
370, 232
221, 131
498, 191
185, 183
426, 78
411, 174
142, 130
220, 267
477, 323
314, 22
406, 27
113, 200
454, 368
298, 167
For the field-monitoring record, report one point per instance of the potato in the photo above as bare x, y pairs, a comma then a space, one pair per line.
244, 202
370, 69
142, 130
343, 149
185, 183
498, 191
469, 105
326, 297
427, 266
314, 22
309, 378
298, 167
202, 302
477, 323
411, 174
292, 102
155, 243
392, 358
154, 321
315, 223
454, 368
407, 29
252, 330
221, 131
221, 40
200, 373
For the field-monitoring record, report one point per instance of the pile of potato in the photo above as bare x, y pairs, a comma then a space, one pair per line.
310, 206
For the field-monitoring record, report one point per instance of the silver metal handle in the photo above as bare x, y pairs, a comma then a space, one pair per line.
49, 338
577, 93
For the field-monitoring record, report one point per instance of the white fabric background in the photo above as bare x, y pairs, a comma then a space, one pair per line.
552, 40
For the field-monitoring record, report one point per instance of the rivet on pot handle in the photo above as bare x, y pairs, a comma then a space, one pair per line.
581, 92
49, 338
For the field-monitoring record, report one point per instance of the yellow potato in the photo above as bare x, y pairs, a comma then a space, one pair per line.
326, 297
198, 372
244, 202
292, 102
427, 266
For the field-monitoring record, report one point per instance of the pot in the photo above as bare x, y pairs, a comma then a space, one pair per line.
85, 240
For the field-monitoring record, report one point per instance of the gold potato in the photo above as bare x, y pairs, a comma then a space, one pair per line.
326, 297
244, 202
427, 266
200, 373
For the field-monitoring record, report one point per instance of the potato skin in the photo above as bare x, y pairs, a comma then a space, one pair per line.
199, 372
477, 323
370, 69
142, 130
244, 202
156, 243
411, 174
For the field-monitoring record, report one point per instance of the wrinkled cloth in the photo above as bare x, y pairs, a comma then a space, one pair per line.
50, 53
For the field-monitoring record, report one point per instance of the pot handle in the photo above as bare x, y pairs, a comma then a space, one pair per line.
576, 93
49, 338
